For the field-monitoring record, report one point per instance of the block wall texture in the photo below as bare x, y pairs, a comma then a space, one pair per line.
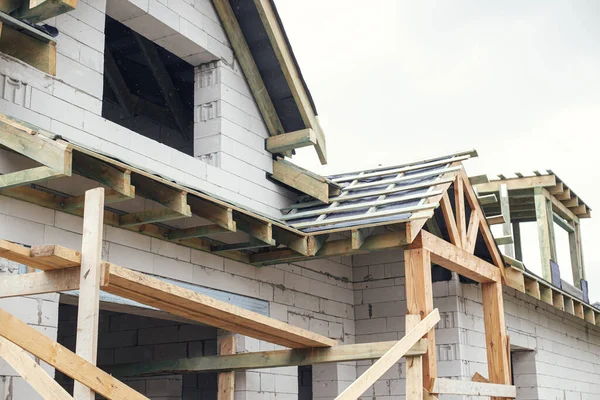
127, 338
229, 136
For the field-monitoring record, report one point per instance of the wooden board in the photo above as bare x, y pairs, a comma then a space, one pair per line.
226, 380
31, 372
287, 173
198, 307
389, 359
88, 310
414, 366
454, 386
265, 359
63, 359
12, 285
41, 10
419, 301
456, 259
38, 54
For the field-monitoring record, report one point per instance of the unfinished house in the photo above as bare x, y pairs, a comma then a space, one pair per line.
157, 240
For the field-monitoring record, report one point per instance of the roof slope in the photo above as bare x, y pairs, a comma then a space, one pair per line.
378, 196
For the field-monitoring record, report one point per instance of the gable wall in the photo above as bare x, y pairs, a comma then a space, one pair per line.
230, 161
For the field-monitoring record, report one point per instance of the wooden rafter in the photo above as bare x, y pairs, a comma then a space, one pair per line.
169, 92
301, 180
260, 230
255, 81
265, 359
450, 220
291, 73
459, 205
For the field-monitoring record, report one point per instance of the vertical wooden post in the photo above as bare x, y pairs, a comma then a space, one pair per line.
541, 216
419, 300
414, 366
550, 214
509, 249
226, 381
575, 250
89, 286
459, 203
495, 334
516, 227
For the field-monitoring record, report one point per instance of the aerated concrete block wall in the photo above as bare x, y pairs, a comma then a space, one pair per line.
127, 338
555, 354
231, 160
380, 310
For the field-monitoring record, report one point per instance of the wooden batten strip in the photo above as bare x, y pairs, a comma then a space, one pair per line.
458, 387
265, 359
280, 144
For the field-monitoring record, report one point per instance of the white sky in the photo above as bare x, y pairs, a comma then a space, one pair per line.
518, 81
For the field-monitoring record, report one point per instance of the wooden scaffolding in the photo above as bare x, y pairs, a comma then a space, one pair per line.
447, 228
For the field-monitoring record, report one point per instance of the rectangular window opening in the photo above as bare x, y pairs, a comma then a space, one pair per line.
147, 89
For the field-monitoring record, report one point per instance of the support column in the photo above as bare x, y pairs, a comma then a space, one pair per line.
575, 250
509, 249
226, 381
516, 227
541, 216
89, 286
495, 334
419, 301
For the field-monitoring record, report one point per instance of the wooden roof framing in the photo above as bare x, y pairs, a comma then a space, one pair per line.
565, 201
295, 121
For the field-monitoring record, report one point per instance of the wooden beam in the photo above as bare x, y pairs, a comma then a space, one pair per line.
297, 178
456, 259
264, 359
414, 366
542, 218
40, 10
575, 253
419, 301
472, 232
88, 310
450, 220
294, 241
389, 359
39, 282
546, 295
214, 212
458, 387
197, 231
111, 196
63, 359
282, 51
495, 334
226, 380
23, 255
280, 144
103, 173
253, 244
509, 249
50, 153
165, 195
495, 220
516, 227
532, 287
149, 217
514, 279
32, 373
459, 203
504, 240
487, 199
334, 248
39, 54
243, 54
204, 309
28, 176
590, 315
359, 236
517, 183
117, 83
8, 6
558, 300
182, 117
55, 256
256, 228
